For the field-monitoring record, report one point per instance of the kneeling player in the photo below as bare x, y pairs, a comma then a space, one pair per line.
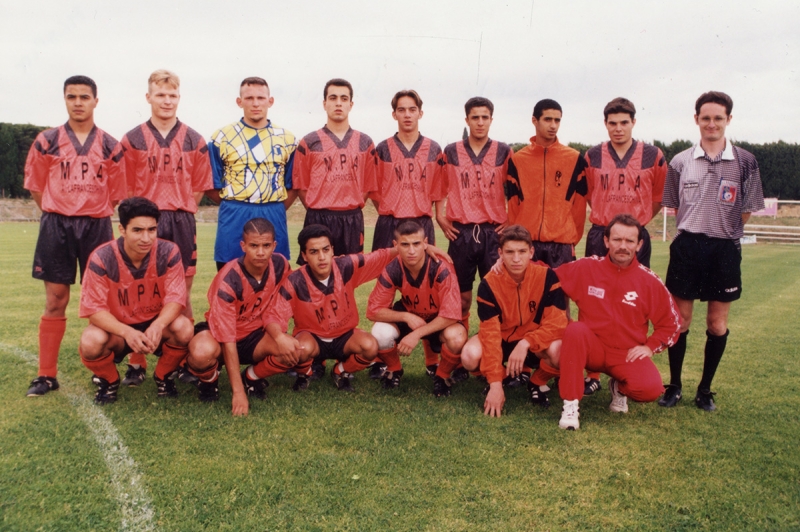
430, 309
234, 330
133, 294
523, 317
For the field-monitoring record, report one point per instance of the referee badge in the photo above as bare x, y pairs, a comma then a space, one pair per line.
727, 193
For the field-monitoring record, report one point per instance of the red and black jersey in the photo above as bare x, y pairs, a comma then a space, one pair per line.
167, 171
132, 295
408, 180
336, 174
237, 300
475, 184
433, 293
329, 310
75, 179
630, 185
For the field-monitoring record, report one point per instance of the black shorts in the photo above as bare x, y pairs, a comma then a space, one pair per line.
531, 360
347, 229
63, 240
180, 227
384, 230
595, 245
245, 347
554, 254
333, 349
141, 327
433, 338
475, 249
704, 268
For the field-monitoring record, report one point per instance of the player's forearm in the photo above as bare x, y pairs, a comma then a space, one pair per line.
230, 355
198, 197
213, 195
168, 314
435, 325
37, 197
746, 217
302, 195
274, 330
387, 315
291, 195
106, 321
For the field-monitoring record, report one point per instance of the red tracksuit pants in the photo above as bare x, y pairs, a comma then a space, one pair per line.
581, 349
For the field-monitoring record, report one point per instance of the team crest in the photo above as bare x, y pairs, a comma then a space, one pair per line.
727, 194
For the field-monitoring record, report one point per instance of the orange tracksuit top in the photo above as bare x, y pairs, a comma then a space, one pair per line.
546, 190
534, 309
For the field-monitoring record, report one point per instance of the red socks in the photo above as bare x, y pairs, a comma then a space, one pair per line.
171, 358
51, 332
392, 359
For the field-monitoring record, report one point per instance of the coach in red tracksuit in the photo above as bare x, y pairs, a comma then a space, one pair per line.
617, 298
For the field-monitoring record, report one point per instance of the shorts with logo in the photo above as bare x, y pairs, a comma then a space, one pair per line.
333, 349
347, 229
180, 227
531, 360
595, 245
245, 347
65, 240
126, 350
554, 254
475, 249
231, 218
433, 338
386, 224
704, 268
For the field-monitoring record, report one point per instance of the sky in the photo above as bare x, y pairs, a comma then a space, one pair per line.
661, 55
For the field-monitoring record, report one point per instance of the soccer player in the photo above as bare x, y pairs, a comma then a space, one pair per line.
623, 176
234, 329
252, 163
429, 308
134, 296
409, 174
617, 299
475, 171
167, 162
714, 186
75, 175
523, 316
335, 172
547, 195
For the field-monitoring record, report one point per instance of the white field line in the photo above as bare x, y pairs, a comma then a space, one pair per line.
126, 481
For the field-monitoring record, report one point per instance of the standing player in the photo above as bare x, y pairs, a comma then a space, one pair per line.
617, 300
475, 171
252, 164
335, 171
522, 312
547, 196
167, 162
234, 330
623, 176
714, 186
133, 296
74, 174
429, 309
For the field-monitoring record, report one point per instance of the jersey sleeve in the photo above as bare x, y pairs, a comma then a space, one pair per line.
664, 316
301, 167
671, 196
578, 210
130, 162
382, 296
370, 170
95, 288
175, 282
202, 176
288, 172
449, 294
438, 189
369, 265
659, 177
489, 334
568, 278
280, 308
215, 161
37, 165
222, 311
551, 315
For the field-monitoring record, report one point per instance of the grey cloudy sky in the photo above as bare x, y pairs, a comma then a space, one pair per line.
661, 55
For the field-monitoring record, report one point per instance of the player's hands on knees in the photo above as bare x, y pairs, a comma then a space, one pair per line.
640, 351
497, 269
447, 228
139, 342
407, 344
289, 349
414, 321
154, 333
241, 407
495, 399
516, 360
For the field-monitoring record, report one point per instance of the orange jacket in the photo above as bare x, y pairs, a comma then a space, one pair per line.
534, 309
546, 191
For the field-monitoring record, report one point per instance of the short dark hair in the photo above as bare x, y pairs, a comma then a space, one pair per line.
714, 97
136, 206
337, 82
409, 93
313, 231
254, 80
81, 80
515, 233
623, 219
258, 226
543, 105
619, 105
478, 101
409, 227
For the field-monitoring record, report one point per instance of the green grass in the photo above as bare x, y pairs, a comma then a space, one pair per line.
402, 460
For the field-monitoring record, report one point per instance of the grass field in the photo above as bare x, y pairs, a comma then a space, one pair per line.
401, 459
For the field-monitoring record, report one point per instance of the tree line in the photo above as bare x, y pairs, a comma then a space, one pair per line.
779, 161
